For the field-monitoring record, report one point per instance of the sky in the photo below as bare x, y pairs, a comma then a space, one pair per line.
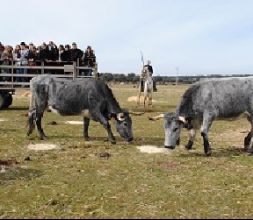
185, 37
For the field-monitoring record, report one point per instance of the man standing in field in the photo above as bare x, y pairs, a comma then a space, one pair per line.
148, 68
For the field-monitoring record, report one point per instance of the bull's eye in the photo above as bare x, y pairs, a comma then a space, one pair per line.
175, 129
125, 124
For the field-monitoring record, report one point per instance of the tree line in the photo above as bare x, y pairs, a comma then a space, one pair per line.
162, 80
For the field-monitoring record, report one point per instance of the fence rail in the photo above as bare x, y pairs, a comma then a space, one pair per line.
11, 77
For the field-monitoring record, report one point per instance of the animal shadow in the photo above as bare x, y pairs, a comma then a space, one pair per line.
219, 153
15, 174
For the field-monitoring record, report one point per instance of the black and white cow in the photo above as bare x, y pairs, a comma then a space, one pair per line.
88, 97
205, 102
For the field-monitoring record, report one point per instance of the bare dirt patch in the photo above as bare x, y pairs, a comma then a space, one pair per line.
22, 94
135, 99
74, 122
42, 147
153, 150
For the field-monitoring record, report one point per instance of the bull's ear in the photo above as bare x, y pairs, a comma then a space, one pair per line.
182, 120
136, 113
186, 122
121, 117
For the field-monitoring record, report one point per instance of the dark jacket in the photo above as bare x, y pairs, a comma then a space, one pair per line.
150, 68
75, 54
53, 54
32, 55
89, 59
66, 56
44, 55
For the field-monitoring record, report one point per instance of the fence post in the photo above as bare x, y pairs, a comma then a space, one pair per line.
74, 70
95, 71
78, 70
43, 67
12, 72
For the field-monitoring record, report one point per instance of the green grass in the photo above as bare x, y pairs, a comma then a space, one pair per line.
75, 182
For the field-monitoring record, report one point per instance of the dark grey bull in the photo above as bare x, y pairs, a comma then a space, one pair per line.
205, 102
88, 97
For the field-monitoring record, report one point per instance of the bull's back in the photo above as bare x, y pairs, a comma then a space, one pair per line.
226, 97
72, 97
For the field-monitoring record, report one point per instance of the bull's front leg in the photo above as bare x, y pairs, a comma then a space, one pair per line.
38, 123
192, 136
111, 137
86, 122
247, 140
100, 118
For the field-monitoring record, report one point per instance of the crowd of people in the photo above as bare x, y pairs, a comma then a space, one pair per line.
52, 55
24, 54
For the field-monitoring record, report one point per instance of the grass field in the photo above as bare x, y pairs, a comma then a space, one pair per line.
74, 181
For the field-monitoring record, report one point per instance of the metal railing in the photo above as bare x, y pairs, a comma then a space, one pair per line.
11, 77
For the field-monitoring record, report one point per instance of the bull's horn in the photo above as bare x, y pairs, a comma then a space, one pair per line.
136, 113
182, 119
121, 117
156, 118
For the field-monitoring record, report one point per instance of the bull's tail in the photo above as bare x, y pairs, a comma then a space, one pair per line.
32, 98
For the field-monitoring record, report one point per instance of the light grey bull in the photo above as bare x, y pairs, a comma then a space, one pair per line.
205, 102
88, 97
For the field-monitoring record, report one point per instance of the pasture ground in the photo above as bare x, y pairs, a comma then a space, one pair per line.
98, 180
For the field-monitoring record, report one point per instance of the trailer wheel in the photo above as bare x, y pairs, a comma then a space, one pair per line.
7, 100
1, 101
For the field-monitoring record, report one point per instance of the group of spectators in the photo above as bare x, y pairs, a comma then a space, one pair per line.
24, 54
50, 54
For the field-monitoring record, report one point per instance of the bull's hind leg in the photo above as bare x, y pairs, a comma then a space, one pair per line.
86, 123
207, 123
38, 123
247, 140
31, 121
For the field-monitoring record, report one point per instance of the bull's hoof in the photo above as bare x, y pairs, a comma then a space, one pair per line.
43, 137
113, 142
189, 146
209, 153
170, 147
247, 149
87, 138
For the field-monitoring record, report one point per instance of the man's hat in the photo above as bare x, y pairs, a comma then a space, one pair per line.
22, 44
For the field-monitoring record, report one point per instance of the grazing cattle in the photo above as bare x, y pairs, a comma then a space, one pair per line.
88, 97
205, 102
